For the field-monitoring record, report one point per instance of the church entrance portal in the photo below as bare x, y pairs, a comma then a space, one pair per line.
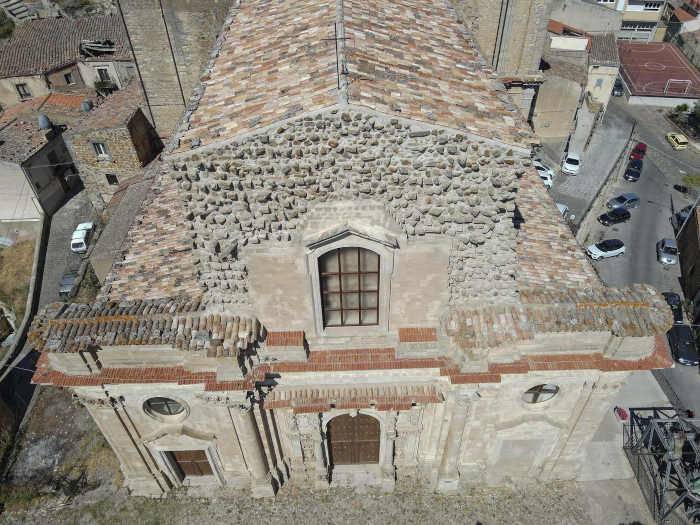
353, 440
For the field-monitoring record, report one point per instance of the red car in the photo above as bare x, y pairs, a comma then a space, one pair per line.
639, 151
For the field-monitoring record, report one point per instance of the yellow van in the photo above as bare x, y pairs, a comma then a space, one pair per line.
677, 140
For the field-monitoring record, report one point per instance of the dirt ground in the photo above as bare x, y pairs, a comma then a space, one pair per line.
15, 274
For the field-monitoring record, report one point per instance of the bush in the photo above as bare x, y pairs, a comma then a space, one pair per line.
681, 108
7, 26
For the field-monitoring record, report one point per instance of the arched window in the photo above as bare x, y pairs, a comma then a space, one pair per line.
349, 279
163, 406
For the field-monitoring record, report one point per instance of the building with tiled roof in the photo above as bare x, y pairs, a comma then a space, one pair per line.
113, 143
346, 272
64, 54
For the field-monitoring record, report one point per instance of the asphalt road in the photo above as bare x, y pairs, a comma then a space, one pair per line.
663, 167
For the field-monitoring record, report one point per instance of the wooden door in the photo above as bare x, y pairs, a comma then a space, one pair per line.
353, 440
190, 463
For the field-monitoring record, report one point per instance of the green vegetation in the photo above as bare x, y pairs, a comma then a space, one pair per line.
15, 274
6, 25
691, 180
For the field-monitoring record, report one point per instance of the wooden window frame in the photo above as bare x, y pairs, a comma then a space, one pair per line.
340, 292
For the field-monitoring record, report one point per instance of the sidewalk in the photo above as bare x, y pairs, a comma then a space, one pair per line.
609, 139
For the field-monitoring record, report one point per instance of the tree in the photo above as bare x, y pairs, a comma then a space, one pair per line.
6, 25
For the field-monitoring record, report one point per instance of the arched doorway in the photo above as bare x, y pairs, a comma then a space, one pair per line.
353, 440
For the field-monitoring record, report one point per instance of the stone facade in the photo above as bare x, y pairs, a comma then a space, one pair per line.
209, 359
171, 40
120, 125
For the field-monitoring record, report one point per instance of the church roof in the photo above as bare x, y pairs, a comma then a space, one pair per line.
407, 59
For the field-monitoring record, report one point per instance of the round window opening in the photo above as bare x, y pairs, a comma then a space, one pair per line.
163, 406
540, 393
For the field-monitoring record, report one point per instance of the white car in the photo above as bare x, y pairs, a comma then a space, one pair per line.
605, 249
546, 173
571, 164
667, 251
81, 236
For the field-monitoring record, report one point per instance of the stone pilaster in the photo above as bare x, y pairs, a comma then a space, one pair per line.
251, 443
448, 475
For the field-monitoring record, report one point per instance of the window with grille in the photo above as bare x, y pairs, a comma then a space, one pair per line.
349, 280
23, 91
188, 463
163, 406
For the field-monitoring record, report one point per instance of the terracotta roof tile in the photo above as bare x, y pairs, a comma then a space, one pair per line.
39, 46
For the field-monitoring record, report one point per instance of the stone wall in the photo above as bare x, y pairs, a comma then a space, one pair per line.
511, 34
433, 183
123, 162
171, 47
8, 92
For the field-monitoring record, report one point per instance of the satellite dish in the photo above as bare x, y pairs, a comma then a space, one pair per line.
44, 122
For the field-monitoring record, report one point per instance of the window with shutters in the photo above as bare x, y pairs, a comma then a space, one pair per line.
353, 440
190, 463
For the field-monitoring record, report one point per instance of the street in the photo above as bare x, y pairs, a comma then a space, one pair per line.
663, 167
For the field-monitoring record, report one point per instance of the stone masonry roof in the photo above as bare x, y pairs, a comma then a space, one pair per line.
603, 50
408, 59
39, 46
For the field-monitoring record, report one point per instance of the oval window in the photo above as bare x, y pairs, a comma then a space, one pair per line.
540, 393
163, 406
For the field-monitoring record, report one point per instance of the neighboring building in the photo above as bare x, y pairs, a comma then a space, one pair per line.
565, 71
689, 44
19, 10
641, 19
689, 249
586, 16
682, 20
657, 74
47, 55
511, 36
171, 40
35, 163
113, 144
327, 286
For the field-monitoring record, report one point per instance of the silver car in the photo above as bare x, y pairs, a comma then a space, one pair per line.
625, 200
667, 251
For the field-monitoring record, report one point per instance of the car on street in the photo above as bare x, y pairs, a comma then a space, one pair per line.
625, 200
676, 304
677, 141
65, 290
545, 172
618, 90
639, 151
571, 164
605, 249
667, 251
682, 342
634, 170
80, 237
614, 216
681, 216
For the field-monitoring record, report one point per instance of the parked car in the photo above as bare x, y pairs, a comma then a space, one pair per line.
571, 164
618, 90
625, 200
606, 249
563, 209
545, 172
639, 151
681, 216
676, 304
80, 238
615, 216
65, 290
678, 141
682, 343
667, 251
634, 170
